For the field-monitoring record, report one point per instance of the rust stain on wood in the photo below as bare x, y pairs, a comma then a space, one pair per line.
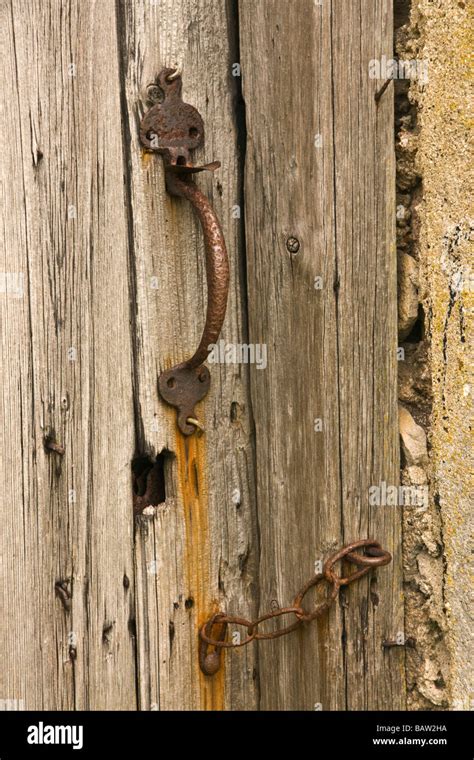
192, 483
145, 158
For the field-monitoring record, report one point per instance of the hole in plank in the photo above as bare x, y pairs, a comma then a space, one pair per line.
148, 481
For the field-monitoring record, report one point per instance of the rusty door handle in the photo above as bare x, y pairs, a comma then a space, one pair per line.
173, 128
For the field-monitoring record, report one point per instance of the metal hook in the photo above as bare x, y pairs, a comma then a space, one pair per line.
210, 662
177, 72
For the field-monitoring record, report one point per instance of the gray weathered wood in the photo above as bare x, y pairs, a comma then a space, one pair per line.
332, 352
103, 609
66, 364
197, 552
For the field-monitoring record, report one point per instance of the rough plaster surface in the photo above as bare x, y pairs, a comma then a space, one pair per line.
435, 228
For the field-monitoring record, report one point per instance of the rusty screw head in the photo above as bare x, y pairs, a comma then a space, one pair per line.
51, 445
211, 663
154, 93
293, 245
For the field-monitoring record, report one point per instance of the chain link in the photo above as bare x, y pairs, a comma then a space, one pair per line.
213, 632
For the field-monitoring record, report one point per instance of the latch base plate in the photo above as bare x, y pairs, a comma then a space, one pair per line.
182, 387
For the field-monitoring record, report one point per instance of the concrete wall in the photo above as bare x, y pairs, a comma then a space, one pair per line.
436, 298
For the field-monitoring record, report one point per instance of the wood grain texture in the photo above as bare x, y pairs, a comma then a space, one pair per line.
107, 289
332, 352
197, 552
66, 364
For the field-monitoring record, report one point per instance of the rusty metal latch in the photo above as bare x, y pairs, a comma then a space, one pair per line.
214, 631
173, 129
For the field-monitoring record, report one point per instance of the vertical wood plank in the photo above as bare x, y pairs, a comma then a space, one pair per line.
320, 168
66, 364
367, 341
197, 551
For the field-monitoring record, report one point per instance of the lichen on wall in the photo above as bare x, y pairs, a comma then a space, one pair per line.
436, 298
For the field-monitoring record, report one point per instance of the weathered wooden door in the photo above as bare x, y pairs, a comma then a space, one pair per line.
105, 287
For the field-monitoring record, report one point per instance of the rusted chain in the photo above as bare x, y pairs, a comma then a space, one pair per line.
213, 632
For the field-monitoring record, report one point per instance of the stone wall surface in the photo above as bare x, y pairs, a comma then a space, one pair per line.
435, 224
